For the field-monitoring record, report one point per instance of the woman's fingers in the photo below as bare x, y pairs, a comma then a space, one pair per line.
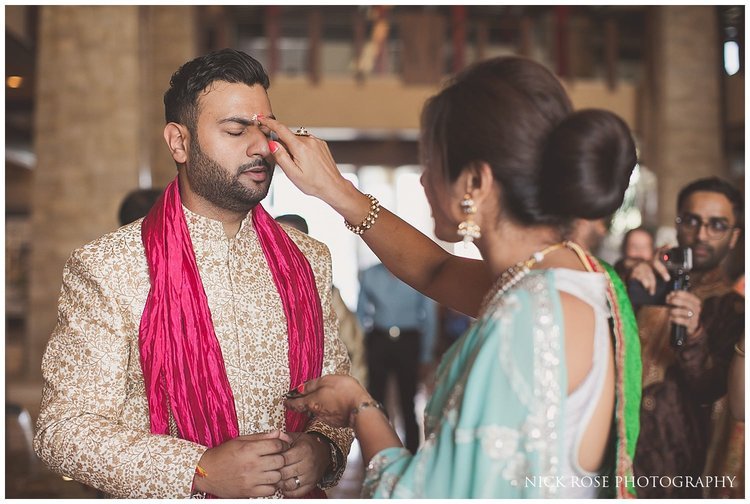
308, 405
285, 134
298, 399
310, 386
328, 398
284, 160
309, 164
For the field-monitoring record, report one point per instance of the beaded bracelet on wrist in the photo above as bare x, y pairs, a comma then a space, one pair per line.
370, 219
365, 405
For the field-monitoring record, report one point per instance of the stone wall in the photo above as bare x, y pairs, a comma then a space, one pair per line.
98, 122
686, 136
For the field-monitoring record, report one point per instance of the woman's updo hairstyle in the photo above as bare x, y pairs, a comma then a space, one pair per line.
586, 165
512, 113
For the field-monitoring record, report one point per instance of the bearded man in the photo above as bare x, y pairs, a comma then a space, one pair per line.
179, 334
681, 385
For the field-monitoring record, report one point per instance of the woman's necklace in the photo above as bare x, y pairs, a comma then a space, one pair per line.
511, 276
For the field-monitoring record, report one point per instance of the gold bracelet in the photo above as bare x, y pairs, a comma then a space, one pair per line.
365, 405
738, 350
370, 219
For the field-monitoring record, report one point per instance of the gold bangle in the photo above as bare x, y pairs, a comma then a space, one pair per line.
365, 405
738, 350
370, 219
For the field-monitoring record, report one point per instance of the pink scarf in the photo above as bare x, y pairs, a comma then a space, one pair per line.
183, 368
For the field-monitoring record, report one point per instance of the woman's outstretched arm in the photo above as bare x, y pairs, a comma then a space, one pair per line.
453, 281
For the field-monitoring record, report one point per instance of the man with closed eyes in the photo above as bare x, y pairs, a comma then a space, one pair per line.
179, 334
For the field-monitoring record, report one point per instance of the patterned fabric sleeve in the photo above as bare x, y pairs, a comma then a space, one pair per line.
494, 422
705, 358
335, 361
79, 431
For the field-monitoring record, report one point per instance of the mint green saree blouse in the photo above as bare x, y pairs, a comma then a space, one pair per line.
494, 425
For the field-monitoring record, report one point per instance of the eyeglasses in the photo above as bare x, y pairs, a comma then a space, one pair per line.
716, 227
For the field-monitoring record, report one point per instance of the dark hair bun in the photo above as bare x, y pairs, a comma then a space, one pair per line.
586, 166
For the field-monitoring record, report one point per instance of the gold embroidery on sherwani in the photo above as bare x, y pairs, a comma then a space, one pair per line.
94, 422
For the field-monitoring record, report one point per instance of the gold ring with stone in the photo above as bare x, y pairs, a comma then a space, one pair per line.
302, 131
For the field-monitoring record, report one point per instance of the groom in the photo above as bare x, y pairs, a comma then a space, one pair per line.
179, 334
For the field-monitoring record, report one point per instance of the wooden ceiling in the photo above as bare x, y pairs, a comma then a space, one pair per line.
503, 23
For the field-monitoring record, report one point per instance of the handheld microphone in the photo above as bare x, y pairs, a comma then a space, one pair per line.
679, 262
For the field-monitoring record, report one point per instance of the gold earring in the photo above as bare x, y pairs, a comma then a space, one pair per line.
469, 229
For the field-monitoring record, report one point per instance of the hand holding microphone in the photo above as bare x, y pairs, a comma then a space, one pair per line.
684, 314
679, 262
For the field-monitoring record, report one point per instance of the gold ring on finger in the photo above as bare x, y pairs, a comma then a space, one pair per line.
297, 482
302, 131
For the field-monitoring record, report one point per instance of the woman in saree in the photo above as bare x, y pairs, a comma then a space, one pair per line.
540, 396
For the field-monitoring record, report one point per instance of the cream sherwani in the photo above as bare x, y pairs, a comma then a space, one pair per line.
94, 421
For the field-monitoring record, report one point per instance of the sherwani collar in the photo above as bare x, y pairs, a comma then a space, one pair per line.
205, 228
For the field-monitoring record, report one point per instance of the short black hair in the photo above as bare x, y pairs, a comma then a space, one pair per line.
137, 204
717, 185
186, 84
296, 221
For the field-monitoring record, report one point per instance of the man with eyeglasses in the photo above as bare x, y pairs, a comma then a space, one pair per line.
681, 385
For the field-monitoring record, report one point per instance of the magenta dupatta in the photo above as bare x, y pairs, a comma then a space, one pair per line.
183, 368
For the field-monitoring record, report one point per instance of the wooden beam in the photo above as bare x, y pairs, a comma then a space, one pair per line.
422, 42
561, 13
483, 37
380, 38
273, 33
458, 29
525, 36
314, 40
358, 20
611, 47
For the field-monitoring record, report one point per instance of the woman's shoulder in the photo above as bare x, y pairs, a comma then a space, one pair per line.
534, 303
530, 306
532, 288
590, 287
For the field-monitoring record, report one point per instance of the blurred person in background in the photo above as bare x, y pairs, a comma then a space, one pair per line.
137, 204
453, 324
179, 334
296, 221
736, 271
509, 166
680, 384
401, 328
726, 452
350, 330
637, 246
